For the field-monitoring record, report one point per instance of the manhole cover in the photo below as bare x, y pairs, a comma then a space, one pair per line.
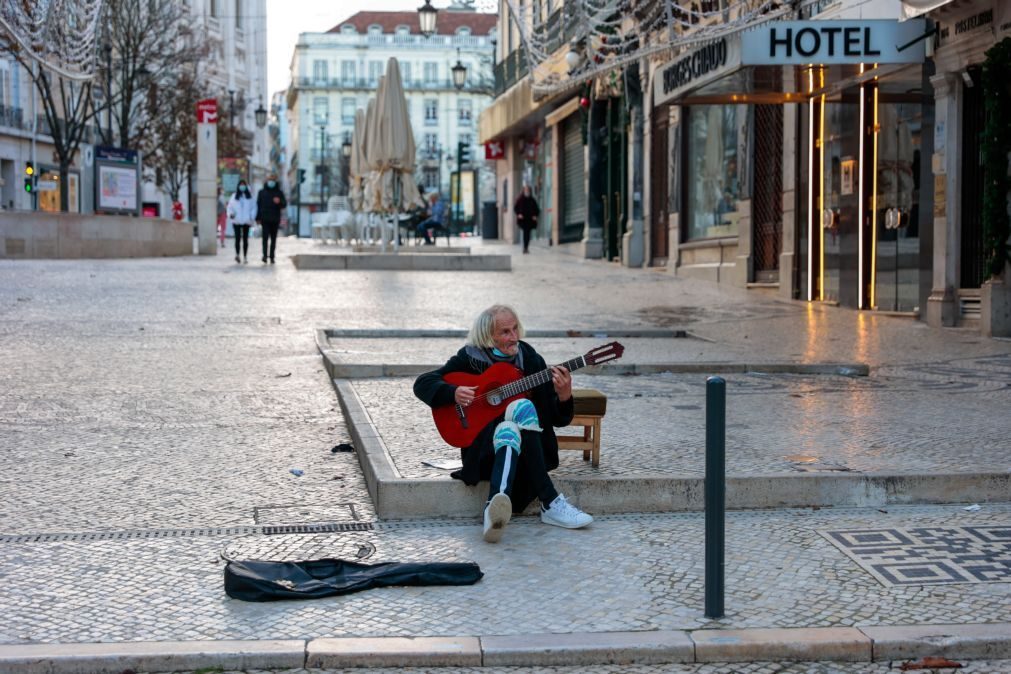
801, 458
353, 546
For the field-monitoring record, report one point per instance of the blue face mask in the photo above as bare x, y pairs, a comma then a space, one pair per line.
243, 188
271, 184
498, 353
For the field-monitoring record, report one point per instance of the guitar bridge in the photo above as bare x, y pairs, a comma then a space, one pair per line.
463, 416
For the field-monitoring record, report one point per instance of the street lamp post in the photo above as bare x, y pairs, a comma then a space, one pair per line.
108, 90
322, 166
346, 173
261, 115
426, 18
459, 72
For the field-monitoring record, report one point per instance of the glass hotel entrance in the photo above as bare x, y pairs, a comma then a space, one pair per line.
862, 143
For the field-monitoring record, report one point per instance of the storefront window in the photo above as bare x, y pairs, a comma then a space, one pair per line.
713, 175
49, 192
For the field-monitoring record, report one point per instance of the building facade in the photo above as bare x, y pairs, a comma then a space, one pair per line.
826, 151
333, 74
238, 64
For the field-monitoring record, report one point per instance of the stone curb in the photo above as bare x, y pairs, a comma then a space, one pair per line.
341, 370
432, 333
864, 644
402, 262
152, 656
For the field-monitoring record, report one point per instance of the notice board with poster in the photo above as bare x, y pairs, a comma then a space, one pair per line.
463, 199
117, 180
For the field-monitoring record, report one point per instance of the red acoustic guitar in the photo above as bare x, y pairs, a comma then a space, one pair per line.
498, 386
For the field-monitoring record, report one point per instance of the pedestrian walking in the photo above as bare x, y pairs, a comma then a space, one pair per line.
242, 213
516, 450
270, 203
526, 210
222, 215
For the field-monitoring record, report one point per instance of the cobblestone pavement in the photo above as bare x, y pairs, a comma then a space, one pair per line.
646, 573
177, 395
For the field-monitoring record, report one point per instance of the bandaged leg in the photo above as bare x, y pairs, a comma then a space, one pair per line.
497, 512
506, 442
524, 414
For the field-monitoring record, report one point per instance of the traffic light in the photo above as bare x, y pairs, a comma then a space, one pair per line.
29, 177
463, 151
301, 176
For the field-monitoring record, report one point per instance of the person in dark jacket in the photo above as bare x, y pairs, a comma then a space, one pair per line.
517, 449
270, 202
526, 210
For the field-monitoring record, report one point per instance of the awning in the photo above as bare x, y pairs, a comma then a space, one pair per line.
914, 8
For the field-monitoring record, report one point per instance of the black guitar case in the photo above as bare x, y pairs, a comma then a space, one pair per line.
253, 580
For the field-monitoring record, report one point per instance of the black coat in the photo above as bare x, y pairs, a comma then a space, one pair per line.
267, 212
552, 412
528, 208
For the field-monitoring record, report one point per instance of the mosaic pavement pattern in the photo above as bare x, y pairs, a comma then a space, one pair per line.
929, 555
776, 423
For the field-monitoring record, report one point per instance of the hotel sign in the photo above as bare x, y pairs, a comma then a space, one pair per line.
694, 68
834, 42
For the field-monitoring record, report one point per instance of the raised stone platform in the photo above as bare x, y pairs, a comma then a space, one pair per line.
42, 235
806, 437
406, 260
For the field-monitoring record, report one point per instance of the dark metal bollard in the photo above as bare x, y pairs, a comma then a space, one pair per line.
716, 489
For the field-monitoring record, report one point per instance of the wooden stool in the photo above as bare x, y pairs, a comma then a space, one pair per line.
590, 406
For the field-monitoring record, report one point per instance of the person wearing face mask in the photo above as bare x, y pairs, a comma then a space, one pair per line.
270, 202
515, 451
242, 213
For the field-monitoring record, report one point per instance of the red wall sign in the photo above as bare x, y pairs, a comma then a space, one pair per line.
207, 111
494, 150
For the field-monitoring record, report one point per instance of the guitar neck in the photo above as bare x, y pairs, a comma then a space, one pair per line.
534, 380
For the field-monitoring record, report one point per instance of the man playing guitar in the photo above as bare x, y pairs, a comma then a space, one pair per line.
517, 448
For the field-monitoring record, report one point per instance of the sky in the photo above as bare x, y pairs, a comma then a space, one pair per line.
287, 18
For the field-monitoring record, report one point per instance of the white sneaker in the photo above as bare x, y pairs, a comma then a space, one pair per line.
561, 513
496, 517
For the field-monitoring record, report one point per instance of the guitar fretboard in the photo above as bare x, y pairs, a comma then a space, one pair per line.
534, 380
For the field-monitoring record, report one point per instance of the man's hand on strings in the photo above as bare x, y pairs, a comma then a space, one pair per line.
562, 381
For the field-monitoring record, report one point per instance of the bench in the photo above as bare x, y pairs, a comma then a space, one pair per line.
590, 406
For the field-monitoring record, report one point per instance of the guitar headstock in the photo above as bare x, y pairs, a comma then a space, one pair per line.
604, 353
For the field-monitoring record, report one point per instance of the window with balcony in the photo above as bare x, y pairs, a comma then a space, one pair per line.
348, 107
348, 72
431, 111
319, 73
405, 71
464, 111
430, 178
320, 110
431, 72
375, 71
431, 145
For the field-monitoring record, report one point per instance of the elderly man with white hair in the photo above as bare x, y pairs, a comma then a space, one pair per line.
515, 451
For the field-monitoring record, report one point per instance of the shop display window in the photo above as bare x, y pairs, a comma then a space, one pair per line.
713, 175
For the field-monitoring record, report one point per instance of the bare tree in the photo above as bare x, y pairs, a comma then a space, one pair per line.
174, 153
145, 45
66, 107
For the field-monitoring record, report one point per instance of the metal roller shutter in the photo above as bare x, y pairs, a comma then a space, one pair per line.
573, 187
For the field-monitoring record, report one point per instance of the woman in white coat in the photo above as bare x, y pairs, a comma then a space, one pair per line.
242, 214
